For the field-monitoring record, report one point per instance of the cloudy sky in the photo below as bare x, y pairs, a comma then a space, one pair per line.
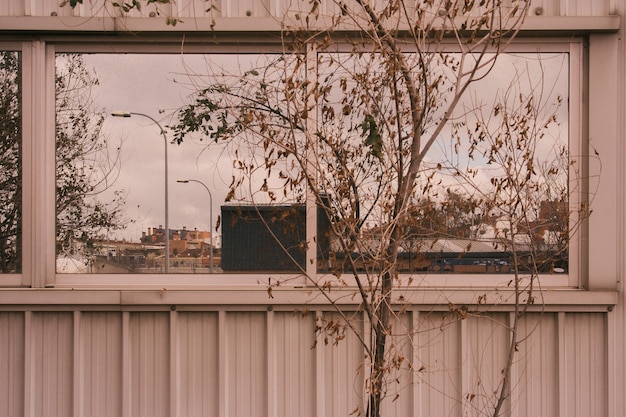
157, 85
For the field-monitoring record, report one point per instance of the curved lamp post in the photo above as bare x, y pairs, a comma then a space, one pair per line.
120, 113
210, 218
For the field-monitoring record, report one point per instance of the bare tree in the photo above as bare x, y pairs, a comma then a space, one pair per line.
359, 131
86, 165
350, 115
527, 196
10, 162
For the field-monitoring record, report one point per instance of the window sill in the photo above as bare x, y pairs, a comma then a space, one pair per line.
285, 298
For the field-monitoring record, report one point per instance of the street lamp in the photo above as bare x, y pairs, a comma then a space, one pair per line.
210, 218
121, 113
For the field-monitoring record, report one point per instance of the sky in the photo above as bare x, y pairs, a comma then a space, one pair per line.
157, 85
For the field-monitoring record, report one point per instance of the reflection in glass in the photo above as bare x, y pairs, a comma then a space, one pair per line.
494, 186
10, 162
110, 214
86, 166
110, 192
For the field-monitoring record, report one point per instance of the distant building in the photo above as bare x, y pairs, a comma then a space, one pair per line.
181, 240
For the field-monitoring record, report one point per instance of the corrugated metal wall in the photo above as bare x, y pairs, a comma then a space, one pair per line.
264, 363
244, 360
256, 8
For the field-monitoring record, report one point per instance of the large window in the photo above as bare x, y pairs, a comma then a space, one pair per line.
132, 198
492, 189
124, 184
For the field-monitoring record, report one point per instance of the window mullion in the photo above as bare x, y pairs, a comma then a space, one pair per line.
311, 126
38, 165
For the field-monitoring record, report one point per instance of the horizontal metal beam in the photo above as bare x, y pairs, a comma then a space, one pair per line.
258, 24
242, 298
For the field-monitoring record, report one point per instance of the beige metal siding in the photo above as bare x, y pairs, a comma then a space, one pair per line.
49, 364
401, 388
198, 364
484, 343
438, 361
12, 364
342, 374
239, 358
262, 363
99, 364
292, 365
535, 372
583, 359
256, 8
245, 359
149, 358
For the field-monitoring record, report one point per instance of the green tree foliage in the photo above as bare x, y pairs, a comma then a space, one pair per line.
10, 162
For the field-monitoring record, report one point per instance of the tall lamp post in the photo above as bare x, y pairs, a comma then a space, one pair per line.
121, 113
210, 218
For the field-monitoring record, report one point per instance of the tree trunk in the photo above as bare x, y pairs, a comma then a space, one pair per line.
381, 329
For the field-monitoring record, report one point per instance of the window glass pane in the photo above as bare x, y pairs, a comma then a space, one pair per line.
235, 206
10, 162
112, 191
495, 182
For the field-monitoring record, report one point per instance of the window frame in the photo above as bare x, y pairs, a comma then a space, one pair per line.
38, 252
575, 277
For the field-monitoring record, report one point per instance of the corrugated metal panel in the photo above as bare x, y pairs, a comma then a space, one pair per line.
585, 8
12, 8
151, 10
293, 356
485, 345
546, 8
342, 374
438, 365
399, 396
258, 8
584, 358
199, 8
245, 8
52, 8
149, 358
246, 364
255, 363
100, 364
535, 379
12, 364
51, 362
197, 337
